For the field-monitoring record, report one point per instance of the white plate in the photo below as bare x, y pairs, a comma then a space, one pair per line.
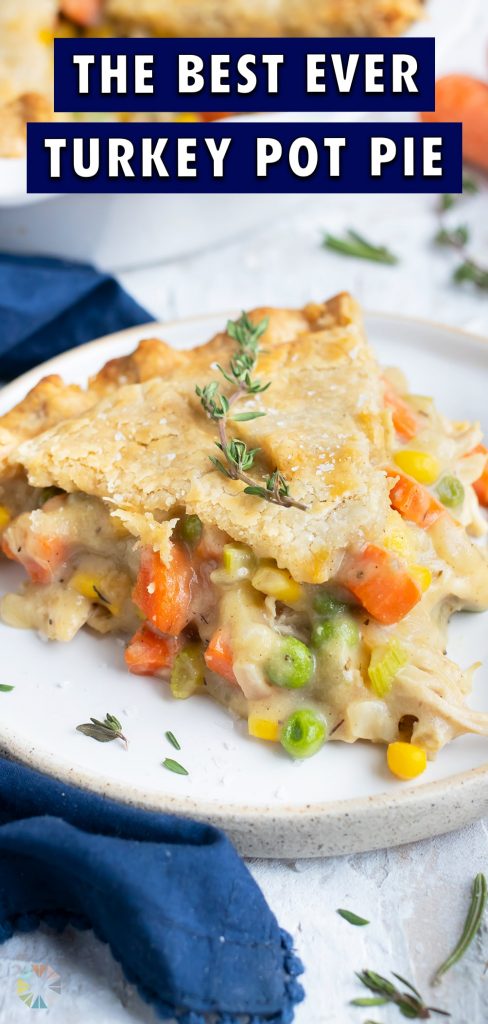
343, 799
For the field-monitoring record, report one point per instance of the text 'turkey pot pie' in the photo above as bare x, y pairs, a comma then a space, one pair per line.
270, 519
28, 27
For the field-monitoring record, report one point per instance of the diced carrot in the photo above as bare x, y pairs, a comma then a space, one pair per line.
83, 12
404, 419
464, 98
219, 657
40, 556
148, 653
414, 501
163, 590
481, 485
381, 583
214, 116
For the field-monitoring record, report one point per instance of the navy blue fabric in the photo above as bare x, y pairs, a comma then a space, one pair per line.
48, 306
177, 906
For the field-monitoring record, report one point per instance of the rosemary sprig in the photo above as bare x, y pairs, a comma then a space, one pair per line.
6, 689
174, 766
171, 738
471, 926
356, 245
352, 918
238, 459
409, 1003
106, 731
457, 239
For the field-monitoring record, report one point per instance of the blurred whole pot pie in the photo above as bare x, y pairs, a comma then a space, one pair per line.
27, 29
270, 519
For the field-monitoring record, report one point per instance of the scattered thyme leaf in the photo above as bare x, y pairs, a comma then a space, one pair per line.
409, 1003
237, 458
171, 738
470, 186
352, 918
103, 732
354, 244
4, 688
455, 237
471, 271
471, 926
174, 766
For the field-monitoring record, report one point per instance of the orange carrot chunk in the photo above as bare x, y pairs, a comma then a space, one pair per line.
147, 654
481, 485
463, 98
219, 657
41, 557
381, 583
414, 501
404, 419
163, 589
83, 12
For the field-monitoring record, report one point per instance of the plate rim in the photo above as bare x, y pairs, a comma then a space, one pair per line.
445, 791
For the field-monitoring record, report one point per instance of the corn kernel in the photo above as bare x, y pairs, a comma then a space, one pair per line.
263, 728
91, 587
400, 539
277, 583
423, 467
422, 576
5, 517
406, 760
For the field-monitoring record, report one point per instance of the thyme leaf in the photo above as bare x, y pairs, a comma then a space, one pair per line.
352, 918
457, 239
104, 732
174, 766
6, 689
356, 245
471, 926
237, 459
171, 738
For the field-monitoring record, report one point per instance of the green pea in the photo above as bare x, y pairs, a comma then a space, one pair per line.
291, 664
450, 491
303, 733
49, 492
190, 530
343, 630
326, 605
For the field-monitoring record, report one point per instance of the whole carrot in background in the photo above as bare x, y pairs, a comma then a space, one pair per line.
463, 98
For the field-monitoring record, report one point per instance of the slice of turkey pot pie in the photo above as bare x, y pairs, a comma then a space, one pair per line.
270, 519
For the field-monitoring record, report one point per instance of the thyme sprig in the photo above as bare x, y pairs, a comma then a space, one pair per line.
457, 239
106, 731
237, 459
410, 1003
471, 926
352, 918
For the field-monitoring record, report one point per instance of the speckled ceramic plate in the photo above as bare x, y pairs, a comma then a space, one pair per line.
340, 801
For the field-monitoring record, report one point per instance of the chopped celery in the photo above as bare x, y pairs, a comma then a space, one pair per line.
188, 672
237, 560
386, 662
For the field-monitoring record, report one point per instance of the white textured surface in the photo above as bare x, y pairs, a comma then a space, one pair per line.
415, 896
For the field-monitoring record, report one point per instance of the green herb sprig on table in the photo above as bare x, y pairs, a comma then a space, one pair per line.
4, 688
472, 925
352, 918
174, 766
410, 1002
356, 245
104, 732
237, 459
457, 239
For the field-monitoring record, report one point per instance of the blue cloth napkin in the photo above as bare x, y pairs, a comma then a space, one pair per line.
177, 906
48, 306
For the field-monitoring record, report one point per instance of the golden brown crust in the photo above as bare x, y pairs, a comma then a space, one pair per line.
146, 446
268, 17
14, 117
49, 402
